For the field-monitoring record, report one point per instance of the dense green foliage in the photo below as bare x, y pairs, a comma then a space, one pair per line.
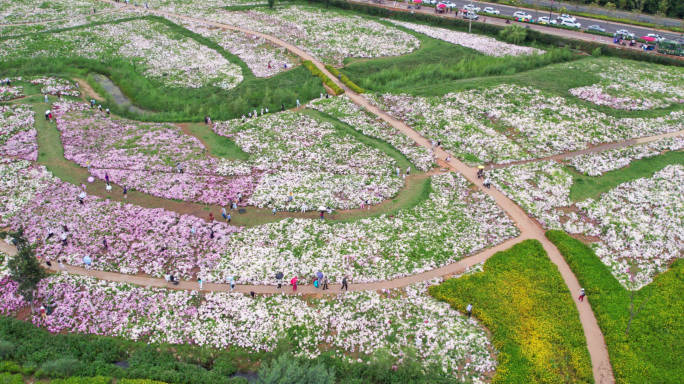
522, 299
37, 349
288, 370
514, 34
652, 350
324, 78
584, 187
24, 266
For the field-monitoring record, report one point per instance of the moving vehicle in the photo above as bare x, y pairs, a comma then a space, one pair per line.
565, 16
596, 28
624, 33
545, 20
518, 14
656, 36
571, 24
491, 11
472, 8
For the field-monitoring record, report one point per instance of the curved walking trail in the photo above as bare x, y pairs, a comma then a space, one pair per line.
597, 148
529, 228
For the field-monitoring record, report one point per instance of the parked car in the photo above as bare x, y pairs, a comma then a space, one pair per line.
518, 14
624, 33
470, 15
450, 5
491, 11
571, 24
596, 28
472, 8
545, 20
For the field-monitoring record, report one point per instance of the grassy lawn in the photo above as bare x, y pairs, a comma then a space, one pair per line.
217, 145
652, 350
522, 299
584, 187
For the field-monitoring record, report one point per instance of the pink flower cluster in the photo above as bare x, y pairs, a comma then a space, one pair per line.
119, 237
146, 157
10, 300
17, 134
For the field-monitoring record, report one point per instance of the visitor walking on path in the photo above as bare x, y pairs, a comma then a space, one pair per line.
345, 284
125, 192
293, 283
582, 294
211, 217
224, 214
231, 280
325, 282
200, 282
469, 309
46, 98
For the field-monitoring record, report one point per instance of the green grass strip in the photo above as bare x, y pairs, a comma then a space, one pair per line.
343, 78
522, 299
326, 80
584, 187
217, 145
652, 350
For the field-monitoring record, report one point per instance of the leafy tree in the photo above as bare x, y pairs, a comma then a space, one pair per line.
24, 266
514, 34
287, 369
271, 3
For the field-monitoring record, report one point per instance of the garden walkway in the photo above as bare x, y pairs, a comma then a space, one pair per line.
529, 228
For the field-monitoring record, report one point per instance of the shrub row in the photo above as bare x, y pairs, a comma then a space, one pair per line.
522, 299
651, 351
326, 80
343, 78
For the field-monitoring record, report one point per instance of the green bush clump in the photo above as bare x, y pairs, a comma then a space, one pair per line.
522, 299
514, 34
62, 367
6, 349
326, 80
650, 352
10, 367
83, 380
223, 365
139, 381
343, 78
287, 369
8, 378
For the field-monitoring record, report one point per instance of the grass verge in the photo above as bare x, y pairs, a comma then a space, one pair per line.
652, 350
324, 78
584, 187
522, 299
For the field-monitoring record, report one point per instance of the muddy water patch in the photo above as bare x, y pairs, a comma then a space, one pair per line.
115, 92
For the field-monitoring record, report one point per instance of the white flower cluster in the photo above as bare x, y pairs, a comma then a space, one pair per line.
17, 134
169, 57
483, 44
328, 35
27, 11
356, 323
262, 57
10, 92
346, 111
540, 188
509, 122
56, 86
310, 158
633, 85
453, 222
598, 163
19, 183
4, 260
640, 224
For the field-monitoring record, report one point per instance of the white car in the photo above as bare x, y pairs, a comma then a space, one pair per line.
491, 11
656, 36
470, 15
472, 8
522, 15
568, 23
565, 16
624, 32
546, 20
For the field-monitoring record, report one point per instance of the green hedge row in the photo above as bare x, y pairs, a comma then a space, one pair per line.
493, 30
326, 80
343, 78
651, 352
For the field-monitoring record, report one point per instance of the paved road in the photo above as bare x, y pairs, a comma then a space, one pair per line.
585, 22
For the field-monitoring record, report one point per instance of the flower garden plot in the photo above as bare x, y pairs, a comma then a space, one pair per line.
326, 34
145, 156
56, 86
17, 134
509, 122
486, 45
28, 11
344, 110
631, 85
598, 163
10, 92
118, 237
262, 57
162, 54
453, 222
354, 325
300, 154
636, 228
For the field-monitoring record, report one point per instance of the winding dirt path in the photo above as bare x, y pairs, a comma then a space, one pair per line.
529, 228
597, 148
